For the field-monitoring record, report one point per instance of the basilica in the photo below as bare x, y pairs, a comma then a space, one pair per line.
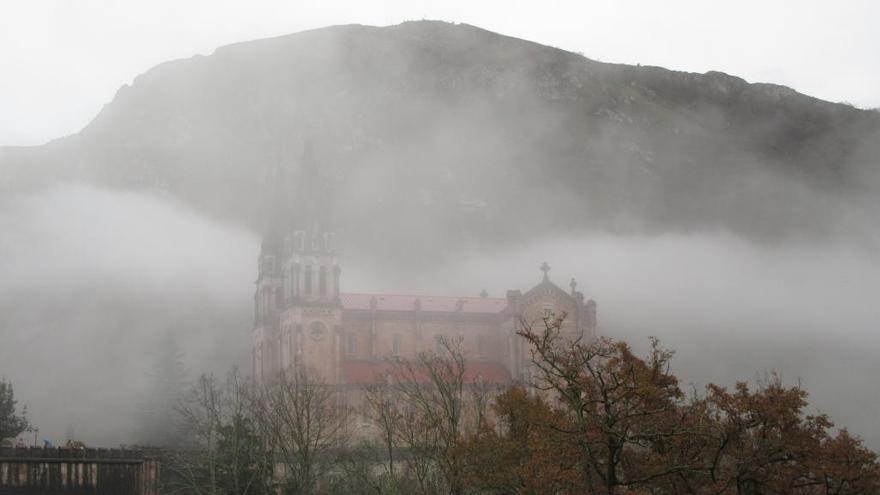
303, 317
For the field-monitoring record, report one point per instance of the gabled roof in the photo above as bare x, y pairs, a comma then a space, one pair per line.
441, 304
547, 284
361, 372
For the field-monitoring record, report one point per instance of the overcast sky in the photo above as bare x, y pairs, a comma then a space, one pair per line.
61, 60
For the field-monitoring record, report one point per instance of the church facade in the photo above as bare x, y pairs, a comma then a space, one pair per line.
304, 318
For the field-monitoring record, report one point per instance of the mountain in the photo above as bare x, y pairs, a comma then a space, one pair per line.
450, 159
447, 134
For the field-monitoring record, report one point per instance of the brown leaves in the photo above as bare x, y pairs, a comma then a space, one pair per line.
621, 409
525, 452
599, 419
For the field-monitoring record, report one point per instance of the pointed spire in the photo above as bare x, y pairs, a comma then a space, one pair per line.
310, 194
299, 200
573, 284
279, 206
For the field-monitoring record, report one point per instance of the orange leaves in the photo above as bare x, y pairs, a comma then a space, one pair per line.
621, 409
526, 452
597, 418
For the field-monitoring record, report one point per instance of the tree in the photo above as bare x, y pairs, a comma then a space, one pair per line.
622, 410
632, 429
384, 409
442, 407
357, 473
845, 466
303, 421
222, 452
12, 424
524, 452
167, 385
763, 442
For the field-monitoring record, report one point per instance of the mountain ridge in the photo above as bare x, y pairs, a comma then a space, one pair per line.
430, 114
741, 83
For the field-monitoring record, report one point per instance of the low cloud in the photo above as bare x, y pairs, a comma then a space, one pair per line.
732, 309
92, 281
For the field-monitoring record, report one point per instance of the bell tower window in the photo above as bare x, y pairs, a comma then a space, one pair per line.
322, 281
308, 281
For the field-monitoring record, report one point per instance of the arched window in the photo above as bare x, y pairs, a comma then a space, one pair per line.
308, 284
322, 281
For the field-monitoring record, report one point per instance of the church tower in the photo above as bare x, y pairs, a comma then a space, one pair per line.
311, 321
298, 310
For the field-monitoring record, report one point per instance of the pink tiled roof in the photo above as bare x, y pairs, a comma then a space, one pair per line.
398, 302
355, 372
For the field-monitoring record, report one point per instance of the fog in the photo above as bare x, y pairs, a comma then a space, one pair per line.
93, 281
732, 309
739, 230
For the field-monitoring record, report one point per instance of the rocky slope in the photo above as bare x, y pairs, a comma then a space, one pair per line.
454, 132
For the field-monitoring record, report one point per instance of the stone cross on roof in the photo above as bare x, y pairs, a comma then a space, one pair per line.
545, 268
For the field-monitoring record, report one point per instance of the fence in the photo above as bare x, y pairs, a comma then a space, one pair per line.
64, 471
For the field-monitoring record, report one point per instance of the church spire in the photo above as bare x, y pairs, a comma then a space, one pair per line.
273, 236
300, 201
310, 195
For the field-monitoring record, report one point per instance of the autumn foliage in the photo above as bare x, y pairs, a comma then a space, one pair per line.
592, 417
600, 419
